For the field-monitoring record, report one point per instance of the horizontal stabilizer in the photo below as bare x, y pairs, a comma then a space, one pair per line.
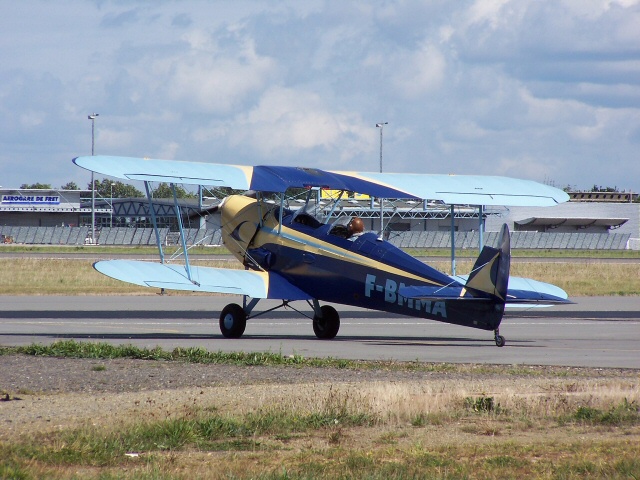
205, 279
433, 293
528, 291
523, 291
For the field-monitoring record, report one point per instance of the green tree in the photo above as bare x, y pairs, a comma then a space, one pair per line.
40, 186
164, 191
597, 188
105, 187
70, 186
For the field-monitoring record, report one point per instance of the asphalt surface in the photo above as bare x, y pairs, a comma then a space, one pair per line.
594, 332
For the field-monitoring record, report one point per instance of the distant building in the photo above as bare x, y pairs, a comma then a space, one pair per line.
44, 208
587, 212
57, 207
572, 217
614, 197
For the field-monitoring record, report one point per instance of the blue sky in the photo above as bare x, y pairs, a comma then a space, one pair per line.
547, 90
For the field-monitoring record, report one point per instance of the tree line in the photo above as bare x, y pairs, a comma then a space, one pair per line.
115, 189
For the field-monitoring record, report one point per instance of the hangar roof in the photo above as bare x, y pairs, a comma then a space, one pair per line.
578, 222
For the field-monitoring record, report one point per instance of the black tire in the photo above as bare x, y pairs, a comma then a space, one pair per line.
500, 341
233, 321
326, 327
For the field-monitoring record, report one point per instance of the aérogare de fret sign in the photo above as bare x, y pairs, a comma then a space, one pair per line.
31, 199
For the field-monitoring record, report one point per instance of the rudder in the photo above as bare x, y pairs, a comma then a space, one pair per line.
490, 273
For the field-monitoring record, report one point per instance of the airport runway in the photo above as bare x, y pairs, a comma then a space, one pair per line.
595, 332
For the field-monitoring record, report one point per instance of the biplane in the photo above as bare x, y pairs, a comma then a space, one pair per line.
310, 254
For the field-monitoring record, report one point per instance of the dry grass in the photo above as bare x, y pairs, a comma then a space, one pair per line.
578, 278
44, 276
41, 276
422, 429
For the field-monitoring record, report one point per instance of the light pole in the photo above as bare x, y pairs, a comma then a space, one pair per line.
92, 117
381, 127
111, 215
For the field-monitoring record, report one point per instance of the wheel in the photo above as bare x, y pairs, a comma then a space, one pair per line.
233, 321
328, 325
500, 341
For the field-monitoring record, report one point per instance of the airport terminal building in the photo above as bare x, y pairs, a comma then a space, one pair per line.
588, 220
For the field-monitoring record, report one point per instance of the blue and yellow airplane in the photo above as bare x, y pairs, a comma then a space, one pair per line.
307, 254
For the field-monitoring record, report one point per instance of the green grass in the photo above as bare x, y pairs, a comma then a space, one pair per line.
626, 413
103, 350
55, 276
416, 252
337, 432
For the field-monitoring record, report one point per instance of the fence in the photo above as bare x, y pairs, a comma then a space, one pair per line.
146, 236
519, 240
44, 235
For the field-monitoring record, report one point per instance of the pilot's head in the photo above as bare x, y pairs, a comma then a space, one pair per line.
356, 226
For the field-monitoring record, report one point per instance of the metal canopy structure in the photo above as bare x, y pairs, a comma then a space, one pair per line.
138, 212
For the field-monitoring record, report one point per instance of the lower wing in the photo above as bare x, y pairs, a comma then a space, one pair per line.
205, 279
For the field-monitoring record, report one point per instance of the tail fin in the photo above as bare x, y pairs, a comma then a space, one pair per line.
490, 274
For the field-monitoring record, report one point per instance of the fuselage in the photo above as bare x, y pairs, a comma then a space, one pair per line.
363, 272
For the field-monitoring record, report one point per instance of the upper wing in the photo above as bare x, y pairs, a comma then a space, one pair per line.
171, 171
470, 189
451, 189
212, 280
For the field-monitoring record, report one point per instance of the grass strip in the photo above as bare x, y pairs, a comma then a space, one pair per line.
55, 276
221, 250
266, 434
103, 350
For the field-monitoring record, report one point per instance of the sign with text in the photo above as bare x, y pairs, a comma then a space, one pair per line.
31, 199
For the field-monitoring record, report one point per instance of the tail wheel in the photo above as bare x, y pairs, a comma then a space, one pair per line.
500, 341
233, 321
327, 326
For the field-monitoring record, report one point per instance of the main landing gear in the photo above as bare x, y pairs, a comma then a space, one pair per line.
500, 341
326, 325
233, 321
233, 318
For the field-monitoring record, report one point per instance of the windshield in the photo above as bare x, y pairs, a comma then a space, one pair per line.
313, 210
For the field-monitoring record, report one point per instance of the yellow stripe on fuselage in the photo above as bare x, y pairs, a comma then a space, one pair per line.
239, 210
291, 238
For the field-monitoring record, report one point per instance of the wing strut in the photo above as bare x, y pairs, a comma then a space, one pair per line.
154, 221
281, 212
381, 219
480, 227
182, 237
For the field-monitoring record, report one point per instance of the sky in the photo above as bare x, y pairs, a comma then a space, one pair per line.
547, 90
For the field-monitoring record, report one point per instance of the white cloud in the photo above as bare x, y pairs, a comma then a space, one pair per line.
207, 78
288, 122
529, 87
108, 139
526, 166
418, 72
32, 119
169, 150
487, 11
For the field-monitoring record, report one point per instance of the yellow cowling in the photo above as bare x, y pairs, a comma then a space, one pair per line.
240, 222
